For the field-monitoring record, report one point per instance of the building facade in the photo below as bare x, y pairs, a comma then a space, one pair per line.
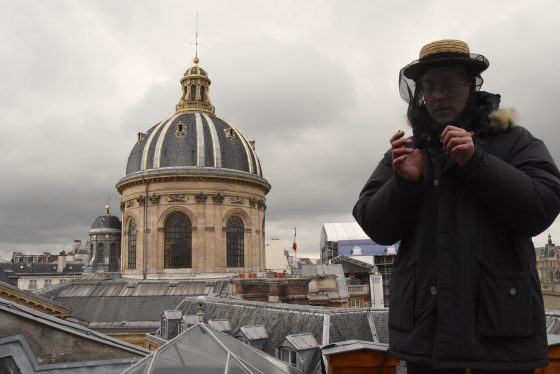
193, 196
548, 266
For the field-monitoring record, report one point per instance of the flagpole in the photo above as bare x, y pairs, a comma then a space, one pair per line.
294, 247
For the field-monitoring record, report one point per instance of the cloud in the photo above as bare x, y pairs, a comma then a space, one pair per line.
315, 84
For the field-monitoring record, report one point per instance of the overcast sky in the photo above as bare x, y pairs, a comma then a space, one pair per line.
313, 82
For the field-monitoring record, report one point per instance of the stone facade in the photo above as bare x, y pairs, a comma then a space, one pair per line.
208, 202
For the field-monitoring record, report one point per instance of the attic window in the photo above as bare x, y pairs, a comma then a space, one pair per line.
141, 136
181, 129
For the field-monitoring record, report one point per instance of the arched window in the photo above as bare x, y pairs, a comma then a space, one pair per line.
132, 245
100, 253
193, 92
177, 247
234, 243
202, 93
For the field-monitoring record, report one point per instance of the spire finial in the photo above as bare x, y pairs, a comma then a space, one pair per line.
108, 206
196, 43
196, 38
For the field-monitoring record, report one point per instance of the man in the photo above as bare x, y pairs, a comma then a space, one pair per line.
463, 196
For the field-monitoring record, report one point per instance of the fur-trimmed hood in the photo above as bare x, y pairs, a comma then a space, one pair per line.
503, 119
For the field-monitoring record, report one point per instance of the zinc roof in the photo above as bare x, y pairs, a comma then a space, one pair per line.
302, 341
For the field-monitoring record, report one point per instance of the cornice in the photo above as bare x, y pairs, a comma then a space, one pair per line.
195, 174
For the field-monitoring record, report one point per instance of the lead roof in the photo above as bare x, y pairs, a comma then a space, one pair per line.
206, 142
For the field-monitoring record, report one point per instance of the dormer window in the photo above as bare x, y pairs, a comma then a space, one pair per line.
181, 129
230, 133
287, 355
141, 136
164, 328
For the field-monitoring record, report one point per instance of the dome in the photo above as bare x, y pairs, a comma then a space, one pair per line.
105, 224
194, 140
191, 141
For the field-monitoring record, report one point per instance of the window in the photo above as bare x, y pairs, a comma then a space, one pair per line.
356, 303
234, 243
33, 284
132, 245
100, 254
181, 129
202, 93
48, 282
113, 257
164, 328
193, 92
177, 247
287, 355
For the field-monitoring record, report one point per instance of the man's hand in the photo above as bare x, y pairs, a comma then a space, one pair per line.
458, 144
407, 162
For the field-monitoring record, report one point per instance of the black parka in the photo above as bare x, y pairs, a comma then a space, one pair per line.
465, 290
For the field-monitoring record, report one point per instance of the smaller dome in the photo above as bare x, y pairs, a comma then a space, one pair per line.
106, 223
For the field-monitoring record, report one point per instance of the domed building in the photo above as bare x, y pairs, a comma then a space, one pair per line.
105, 244
193, 194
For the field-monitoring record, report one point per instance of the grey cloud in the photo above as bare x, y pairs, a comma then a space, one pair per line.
314, 85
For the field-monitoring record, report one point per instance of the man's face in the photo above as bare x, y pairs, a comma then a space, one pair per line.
446, 92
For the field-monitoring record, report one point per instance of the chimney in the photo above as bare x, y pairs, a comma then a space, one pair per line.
61, 263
